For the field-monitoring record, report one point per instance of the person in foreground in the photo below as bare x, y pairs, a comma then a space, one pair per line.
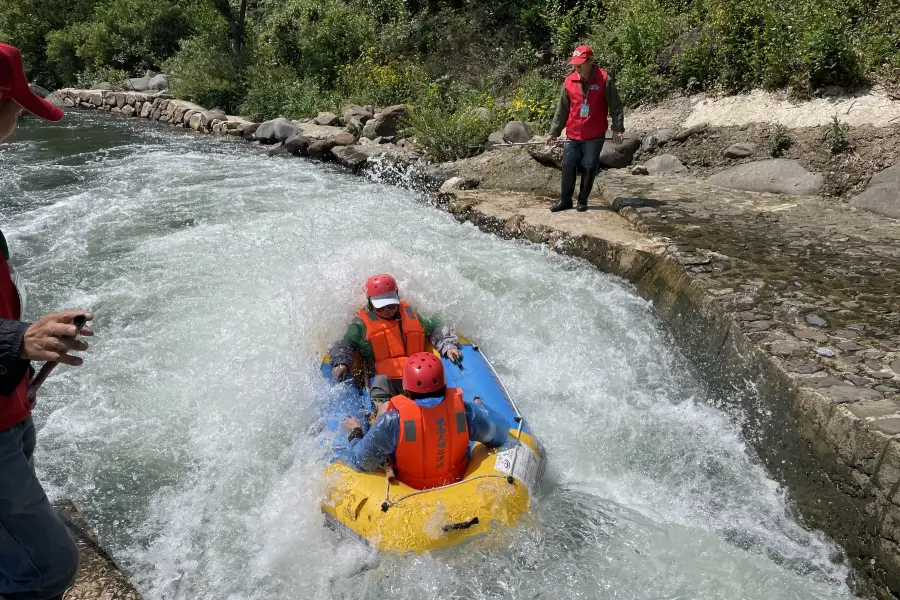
588, 94
426, 429
38, 558
385, 333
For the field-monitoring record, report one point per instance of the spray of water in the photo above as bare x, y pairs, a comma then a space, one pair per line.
219, 276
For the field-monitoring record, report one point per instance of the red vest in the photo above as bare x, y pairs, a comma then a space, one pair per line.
433, 445
394, 340
13, 408
596, 123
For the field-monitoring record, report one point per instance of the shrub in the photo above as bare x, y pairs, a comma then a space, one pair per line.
315, 38
447, 136
838, 137
534, 100
90, 77
382, 83
826, 47
203, 71
631, 41
280, 93
131, 35
780, 142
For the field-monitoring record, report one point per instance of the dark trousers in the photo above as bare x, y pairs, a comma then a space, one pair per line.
584, 156
38, 558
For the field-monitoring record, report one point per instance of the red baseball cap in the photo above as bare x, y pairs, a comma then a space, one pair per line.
581, 54
14, 86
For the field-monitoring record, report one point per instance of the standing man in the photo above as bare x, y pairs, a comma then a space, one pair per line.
588, 94
38, 558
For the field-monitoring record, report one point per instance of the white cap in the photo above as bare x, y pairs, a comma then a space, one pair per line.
383, 300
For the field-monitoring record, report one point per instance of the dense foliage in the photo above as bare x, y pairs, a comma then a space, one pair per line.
294, 57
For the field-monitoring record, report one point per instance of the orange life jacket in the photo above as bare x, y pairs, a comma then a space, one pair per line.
433, 445
393, 340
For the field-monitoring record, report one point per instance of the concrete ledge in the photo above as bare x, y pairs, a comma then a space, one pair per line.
842, 475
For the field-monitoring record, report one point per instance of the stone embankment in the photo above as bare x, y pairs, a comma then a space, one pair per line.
787, 304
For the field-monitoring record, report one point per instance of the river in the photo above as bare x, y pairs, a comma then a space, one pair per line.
218, 275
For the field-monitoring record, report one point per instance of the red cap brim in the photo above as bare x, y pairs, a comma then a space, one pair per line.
577, 60
37, 105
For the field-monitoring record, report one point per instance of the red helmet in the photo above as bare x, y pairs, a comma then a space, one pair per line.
423, 373
380, 284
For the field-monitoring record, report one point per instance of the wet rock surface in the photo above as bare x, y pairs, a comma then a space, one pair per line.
98, 575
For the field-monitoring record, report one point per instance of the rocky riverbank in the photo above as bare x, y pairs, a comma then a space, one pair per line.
787, 303
99, 578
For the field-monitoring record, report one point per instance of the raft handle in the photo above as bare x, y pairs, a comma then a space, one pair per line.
458, 526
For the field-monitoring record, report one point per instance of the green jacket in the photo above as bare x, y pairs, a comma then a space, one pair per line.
440, 335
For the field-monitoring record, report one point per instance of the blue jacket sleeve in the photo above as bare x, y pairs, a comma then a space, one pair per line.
485, 425
369, 453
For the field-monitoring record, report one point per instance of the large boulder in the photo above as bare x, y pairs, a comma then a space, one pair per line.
276, 130
619, 156
496, 139
299, 145
140, 84
284, 130
883, 194
320, 149
158, 83
344, 138
249, 131
354, 157
318, 132
775, 175
740, 150
208, 116
327, 119
664, 163
516, 132
385, 123
550, 156
363, 114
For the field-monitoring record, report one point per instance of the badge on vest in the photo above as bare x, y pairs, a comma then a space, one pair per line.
585, 111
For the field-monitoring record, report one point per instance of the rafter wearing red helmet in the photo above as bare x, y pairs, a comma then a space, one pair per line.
427, 429
385, 334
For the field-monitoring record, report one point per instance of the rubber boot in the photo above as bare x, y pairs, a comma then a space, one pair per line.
569, 173
587, 184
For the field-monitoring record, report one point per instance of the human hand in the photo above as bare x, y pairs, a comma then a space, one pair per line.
350, 423
551, 140
339, 372
454, 355
617, 137
52, 336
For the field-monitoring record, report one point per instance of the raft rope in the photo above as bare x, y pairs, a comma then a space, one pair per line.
509, 478
389, 503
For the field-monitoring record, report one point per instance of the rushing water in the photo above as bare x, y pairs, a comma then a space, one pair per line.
219, 275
